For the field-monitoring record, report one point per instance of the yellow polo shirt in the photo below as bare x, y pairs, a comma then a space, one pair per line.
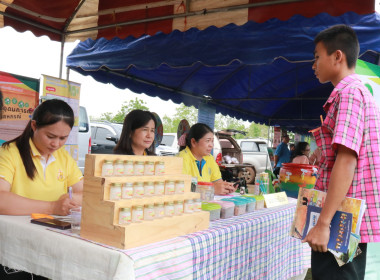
60, 173
207, 170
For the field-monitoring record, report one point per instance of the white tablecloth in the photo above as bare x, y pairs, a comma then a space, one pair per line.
58, 256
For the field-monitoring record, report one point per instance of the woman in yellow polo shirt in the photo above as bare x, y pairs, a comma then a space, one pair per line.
137, 136
35, 170
198, 162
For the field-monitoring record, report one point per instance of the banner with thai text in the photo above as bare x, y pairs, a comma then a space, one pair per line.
20, 98
70, 93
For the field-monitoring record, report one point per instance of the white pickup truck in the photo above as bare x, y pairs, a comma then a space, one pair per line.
255, 153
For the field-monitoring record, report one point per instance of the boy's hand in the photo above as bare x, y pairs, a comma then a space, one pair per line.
318, 237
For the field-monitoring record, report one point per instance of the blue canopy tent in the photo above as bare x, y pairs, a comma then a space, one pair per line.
258, 72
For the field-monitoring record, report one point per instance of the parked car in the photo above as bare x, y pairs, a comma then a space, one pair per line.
255, 154
168, 146
226, 148
84, 137
104, 136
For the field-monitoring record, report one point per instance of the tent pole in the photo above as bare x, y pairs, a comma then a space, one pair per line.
61, 57
266, 160
67, 73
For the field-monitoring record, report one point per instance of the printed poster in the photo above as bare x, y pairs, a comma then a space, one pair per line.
370, 75
70, 93
20, 98
276, 136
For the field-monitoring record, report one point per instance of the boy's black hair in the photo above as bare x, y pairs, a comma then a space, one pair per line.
340, 37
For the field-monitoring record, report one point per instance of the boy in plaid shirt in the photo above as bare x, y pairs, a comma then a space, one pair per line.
349, 139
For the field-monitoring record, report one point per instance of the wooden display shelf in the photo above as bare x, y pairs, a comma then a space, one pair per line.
100, 215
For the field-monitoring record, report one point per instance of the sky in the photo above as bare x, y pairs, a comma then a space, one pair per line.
27, 55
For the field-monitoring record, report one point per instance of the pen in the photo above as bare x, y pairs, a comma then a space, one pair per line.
71, 192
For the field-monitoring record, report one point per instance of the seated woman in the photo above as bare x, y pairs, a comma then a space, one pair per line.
35, 170
137, 136
301, 153
198, 162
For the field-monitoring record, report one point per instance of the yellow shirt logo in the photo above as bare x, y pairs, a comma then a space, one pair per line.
60, 175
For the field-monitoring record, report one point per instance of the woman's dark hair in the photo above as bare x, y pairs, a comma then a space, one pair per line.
47, 113
340, 37
300, 148
197, 131
133, 120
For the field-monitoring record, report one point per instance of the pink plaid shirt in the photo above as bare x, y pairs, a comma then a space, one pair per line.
353, 120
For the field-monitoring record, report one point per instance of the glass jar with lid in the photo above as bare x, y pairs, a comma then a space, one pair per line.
127, 190
149, 168
125, 216
118, 168
159, 168
169, 209
179, 187
128, 168
206, 189
197, 205
107, 168
159, 188
148, 188
159, 210
115, 191
188, 206
138, 168
149, 212
178, 207
138, 190
169, 187
137, 213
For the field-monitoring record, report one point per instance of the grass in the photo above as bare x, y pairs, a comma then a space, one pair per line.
308, 275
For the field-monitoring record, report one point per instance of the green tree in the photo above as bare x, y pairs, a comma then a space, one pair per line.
125, 109
257, 130
106, 116
226, 122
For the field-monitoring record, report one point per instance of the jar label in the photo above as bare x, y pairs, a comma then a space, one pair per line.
170, 189
149, 190
126, 217
127, 193
139, 170
138, 216
119, 170
160, 169
139, 191
160, 189
150, 213
149, 170
128, 170
180, 188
